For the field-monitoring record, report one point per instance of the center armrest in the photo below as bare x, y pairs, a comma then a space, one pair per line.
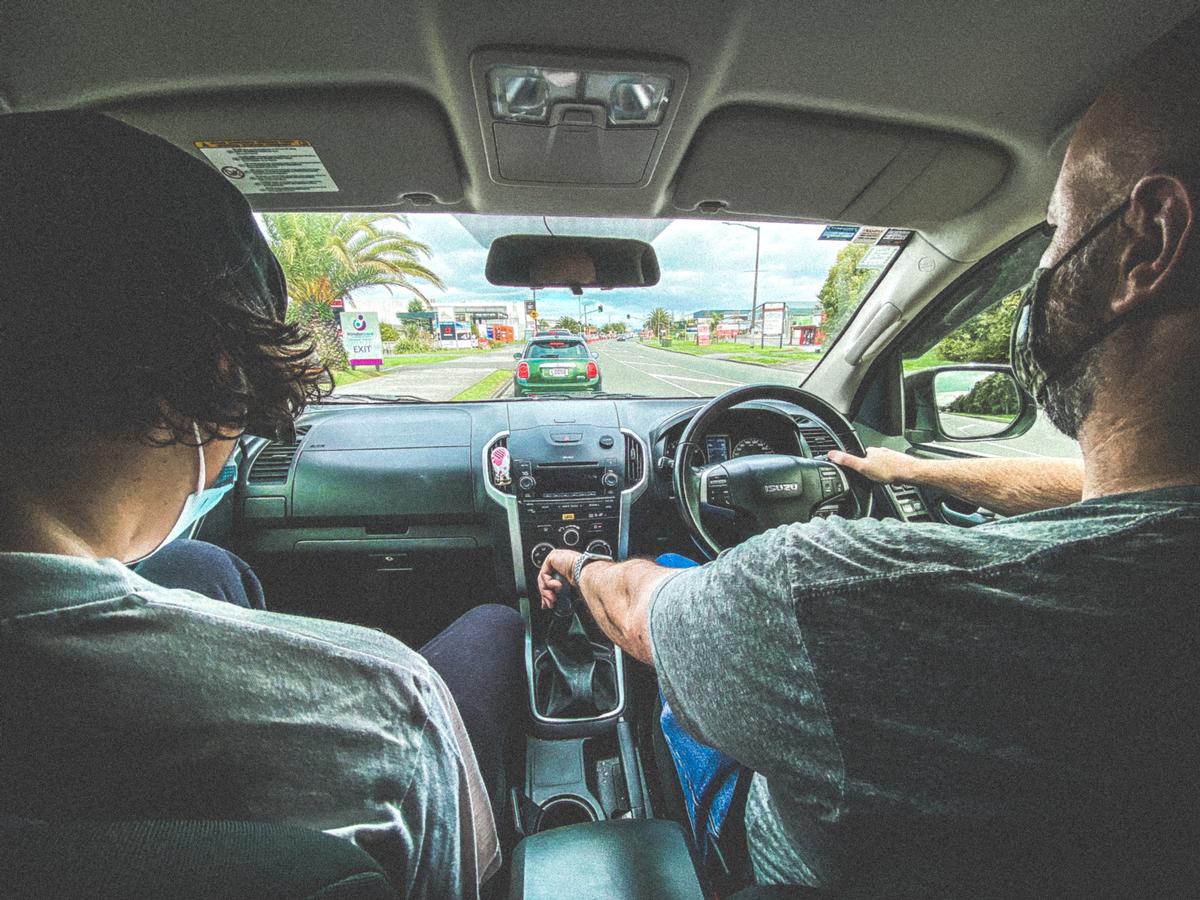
627, 859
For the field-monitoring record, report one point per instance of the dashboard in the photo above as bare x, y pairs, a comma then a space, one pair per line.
402, 488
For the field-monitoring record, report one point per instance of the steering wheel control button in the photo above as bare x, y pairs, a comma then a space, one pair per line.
718, 491
539, 553
606, 442
570, 537
600, 548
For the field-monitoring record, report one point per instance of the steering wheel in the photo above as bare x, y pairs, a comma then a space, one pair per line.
767, 490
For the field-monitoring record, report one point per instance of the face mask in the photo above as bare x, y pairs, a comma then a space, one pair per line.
1031, 368
200, 501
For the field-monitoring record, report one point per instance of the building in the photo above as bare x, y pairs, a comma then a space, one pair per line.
476, 314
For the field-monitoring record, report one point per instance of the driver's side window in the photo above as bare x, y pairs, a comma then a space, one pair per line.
970, 326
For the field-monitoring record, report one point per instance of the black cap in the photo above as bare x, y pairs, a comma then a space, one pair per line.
90, 203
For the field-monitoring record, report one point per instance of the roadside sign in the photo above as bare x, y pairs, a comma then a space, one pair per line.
337, 304
703, 333
838, 233
772, 319
362, 339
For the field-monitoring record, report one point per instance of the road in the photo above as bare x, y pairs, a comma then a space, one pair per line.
438, 381
629, 367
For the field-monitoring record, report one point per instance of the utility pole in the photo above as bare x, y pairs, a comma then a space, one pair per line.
757, 229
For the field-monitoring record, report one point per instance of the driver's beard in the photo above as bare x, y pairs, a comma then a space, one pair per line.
1070, 396
1071, 393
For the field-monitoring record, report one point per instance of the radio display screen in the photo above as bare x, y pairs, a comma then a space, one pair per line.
568, 479
716, 448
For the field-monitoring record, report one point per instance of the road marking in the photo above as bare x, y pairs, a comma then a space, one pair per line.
701, 380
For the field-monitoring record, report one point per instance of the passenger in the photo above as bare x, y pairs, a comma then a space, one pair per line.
141, 332
996, 711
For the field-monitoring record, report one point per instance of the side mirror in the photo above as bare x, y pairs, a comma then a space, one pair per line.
965, 403
517, 355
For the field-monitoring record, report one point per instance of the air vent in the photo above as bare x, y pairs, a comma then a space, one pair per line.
818, 439
505, 488
273, 462
634, 461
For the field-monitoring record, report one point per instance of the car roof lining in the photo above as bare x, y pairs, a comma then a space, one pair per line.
974, 102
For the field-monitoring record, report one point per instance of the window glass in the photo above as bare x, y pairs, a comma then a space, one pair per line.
556, 350
973, 325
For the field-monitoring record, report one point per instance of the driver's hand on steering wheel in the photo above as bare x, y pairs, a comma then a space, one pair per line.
880, 464
555, 572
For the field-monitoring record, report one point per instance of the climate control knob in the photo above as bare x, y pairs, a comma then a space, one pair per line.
610, 479
600, 547
539, 553
570, 536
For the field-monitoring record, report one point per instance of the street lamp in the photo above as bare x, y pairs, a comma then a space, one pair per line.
757, 229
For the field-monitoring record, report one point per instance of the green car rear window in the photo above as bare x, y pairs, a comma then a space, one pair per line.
557, 350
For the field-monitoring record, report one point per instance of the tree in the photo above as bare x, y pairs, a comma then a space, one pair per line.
985, 337
416, 305
327, 257
716, 319
843, 288
568, 324
388, 332
659, 322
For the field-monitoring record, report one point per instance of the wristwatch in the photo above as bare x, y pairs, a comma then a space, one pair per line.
584, 559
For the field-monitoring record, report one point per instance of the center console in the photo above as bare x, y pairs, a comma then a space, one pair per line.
570, 485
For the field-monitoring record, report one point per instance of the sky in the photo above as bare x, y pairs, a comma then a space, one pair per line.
705, 265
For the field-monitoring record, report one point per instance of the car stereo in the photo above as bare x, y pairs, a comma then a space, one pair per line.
574, 505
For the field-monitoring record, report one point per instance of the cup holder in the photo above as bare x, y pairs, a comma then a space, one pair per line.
564, 811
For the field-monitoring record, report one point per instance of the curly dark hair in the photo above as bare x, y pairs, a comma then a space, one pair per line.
138, 298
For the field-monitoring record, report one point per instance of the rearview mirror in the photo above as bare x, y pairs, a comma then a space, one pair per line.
547, 261
966, 403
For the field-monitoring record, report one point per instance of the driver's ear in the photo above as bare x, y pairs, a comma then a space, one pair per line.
1161, 219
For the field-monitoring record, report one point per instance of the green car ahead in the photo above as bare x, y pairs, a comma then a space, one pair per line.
555, 365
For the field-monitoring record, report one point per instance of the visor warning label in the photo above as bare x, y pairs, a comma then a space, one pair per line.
270, 167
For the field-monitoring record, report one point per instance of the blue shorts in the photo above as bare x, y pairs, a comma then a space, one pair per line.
708, 777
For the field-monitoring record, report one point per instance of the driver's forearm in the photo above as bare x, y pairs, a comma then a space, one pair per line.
618, 597
1005, 486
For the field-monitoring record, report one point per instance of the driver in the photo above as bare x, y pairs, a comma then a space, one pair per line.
1000, 710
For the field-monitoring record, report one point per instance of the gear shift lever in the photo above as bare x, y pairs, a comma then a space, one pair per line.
574, 676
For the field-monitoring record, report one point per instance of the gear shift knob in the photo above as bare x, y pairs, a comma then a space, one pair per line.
564, 600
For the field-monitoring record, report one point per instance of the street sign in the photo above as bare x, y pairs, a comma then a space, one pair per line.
772, 318
838, 233
362, 339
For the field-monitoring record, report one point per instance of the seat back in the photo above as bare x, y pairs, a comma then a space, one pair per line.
183, 860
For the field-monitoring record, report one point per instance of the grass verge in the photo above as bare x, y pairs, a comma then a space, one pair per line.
485, 387
747, 353
928, 361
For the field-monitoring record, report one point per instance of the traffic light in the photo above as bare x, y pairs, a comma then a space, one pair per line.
600, 308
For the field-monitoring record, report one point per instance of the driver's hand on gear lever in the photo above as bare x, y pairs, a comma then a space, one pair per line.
880, 464
555, 572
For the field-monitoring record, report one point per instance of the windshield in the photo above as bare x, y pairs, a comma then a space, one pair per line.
401, 309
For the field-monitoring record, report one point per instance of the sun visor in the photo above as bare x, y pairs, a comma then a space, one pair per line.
764, 161
324, 148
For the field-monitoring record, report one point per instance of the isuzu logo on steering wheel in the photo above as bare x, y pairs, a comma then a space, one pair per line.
786, 488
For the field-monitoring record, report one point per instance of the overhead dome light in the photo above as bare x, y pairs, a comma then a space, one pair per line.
529, 94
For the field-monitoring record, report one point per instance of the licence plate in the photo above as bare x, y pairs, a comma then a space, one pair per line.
555, 371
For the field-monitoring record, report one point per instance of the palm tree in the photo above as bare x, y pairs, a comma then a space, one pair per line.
659, 321
327, 257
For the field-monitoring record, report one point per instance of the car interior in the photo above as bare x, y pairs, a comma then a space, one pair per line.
946, 120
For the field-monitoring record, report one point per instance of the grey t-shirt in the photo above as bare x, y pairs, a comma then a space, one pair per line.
924, 682
120, 699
